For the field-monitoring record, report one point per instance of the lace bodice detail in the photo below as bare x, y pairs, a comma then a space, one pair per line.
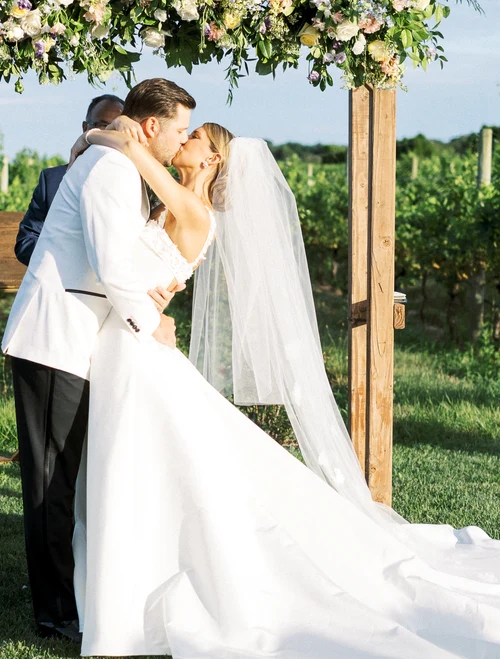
157, 239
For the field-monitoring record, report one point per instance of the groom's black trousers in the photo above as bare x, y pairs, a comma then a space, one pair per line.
52, 415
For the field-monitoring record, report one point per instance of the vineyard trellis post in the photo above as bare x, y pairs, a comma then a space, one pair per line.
477, 281
4, 176
372, 193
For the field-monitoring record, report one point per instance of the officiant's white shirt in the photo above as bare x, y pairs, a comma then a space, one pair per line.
82, 267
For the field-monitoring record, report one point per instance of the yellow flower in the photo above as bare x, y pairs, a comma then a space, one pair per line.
378, 50
309, 36
17, 12
48, 44
231, 21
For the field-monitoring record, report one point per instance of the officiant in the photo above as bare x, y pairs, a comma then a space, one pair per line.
100, 113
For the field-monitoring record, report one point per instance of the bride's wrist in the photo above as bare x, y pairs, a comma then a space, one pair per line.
89, 132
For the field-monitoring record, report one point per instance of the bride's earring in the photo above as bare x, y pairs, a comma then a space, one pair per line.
204, 164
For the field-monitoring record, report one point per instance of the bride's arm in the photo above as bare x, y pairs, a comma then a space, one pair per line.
185, 205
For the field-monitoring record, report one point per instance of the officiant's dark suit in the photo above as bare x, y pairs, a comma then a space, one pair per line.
32, 223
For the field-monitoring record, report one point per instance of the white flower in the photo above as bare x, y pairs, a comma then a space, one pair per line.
153, 38
15, 34
187, 10
32, 23
160, 15
75, 40
58, 28
100, 31
105, 75
346, 30
66, 3
420, 4
360, 45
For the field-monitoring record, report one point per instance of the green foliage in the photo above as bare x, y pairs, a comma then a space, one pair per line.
322, 202
24, 171
368, 41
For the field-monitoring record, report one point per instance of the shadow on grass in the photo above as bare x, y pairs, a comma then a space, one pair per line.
414, 432
438, 391
4, 492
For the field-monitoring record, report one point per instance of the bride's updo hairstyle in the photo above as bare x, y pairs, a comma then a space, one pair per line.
220, 139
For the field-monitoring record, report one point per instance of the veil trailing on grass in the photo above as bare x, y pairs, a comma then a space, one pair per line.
254, 330
255, 335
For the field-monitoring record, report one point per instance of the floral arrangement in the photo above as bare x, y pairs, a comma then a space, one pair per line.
369, 40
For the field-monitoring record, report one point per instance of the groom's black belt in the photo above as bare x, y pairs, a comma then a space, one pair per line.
75, 290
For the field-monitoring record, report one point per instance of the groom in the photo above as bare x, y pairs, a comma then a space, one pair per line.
80, 269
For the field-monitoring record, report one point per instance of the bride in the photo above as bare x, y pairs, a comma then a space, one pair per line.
197, 535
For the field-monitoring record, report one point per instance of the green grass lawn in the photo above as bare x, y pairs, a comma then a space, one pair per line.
446, 450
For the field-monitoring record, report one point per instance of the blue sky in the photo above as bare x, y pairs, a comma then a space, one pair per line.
440, 103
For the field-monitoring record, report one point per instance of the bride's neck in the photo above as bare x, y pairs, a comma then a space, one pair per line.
196, 181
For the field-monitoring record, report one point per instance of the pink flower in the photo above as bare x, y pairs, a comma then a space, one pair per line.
318, 24
95, 13
399, 5
370, 25
214, 33
338, 17
391, 67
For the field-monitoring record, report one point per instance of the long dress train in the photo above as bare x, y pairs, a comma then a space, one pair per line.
200, 537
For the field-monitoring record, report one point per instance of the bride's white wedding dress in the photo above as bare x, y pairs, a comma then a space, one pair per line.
200, 537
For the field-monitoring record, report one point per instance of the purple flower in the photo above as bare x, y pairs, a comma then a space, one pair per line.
340, 58
208, 30
39, 49
313, 76
336, 44
24, 4
265, 25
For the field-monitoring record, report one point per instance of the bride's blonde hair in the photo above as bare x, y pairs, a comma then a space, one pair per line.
220, 139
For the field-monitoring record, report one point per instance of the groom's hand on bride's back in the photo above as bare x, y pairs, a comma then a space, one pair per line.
165, 332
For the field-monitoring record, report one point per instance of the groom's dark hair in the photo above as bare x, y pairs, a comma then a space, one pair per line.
156, 97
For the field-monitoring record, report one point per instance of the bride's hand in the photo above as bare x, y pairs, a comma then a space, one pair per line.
162, 296
124, 124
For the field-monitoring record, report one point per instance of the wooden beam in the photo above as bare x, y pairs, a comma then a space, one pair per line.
381, 294
372, 312
359, 195
11, 271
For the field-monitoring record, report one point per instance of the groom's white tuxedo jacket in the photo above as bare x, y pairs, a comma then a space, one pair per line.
82, 266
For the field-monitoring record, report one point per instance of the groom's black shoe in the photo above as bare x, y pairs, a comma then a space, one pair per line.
68, 630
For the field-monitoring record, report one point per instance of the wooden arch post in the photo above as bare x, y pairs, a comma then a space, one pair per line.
372, 192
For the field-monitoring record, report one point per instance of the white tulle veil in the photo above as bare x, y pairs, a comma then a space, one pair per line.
255, 335
254, 331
